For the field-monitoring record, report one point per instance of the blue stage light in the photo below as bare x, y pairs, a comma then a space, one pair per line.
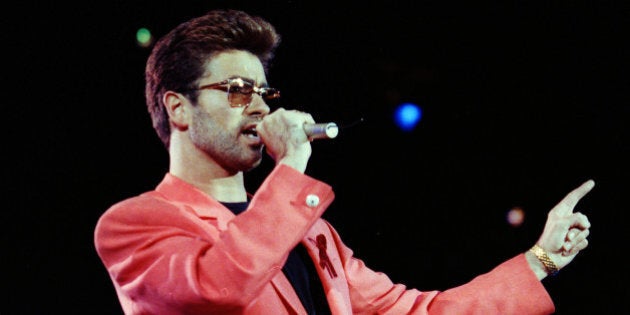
407, 116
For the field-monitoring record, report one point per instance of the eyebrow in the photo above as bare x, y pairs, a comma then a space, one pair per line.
252, 81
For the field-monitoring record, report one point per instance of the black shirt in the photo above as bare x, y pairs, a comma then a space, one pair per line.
300, 271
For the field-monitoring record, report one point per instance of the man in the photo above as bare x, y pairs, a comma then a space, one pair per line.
201, 244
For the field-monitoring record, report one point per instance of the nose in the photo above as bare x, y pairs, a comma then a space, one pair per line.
257, 106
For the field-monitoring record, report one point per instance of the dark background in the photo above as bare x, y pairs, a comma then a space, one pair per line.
522, 101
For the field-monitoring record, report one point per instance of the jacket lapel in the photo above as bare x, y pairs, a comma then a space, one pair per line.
286, 292
334, 286
322, 249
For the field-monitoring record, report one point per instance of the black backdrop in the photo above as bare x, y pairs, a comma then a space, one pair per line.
522, 101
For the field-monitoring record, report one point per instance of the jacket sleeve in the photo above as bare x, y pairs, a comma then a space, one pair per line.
164, 254
510, 288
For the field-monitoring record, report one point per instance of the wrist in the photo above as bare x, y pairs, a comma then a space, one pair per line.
540, 262
297, 160
537, 267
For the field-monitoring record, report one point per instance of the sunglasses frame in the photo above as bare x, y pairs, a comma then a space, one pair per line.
241, 86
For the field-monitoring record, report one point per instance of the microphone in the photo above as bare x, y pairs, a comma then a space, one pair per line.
321, 131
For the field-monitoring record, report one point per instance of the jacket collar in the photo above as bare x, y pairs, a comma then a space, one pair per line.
185, 194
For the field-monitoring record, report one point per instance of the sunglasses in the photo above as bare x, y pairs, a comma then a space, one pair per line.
240, 91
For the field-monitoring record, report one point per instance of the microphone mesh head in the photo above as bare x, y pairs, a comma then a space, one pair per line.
332, 130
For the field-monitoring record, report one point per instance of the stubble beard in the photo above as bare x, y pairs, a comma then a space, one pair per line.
222, 146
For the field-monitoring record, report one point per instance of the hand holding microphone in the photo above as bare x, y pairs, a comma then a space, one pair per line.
284, 122
287, 135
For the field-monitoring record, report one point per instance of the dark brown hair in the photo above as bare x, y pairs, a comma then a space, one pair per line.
177, 61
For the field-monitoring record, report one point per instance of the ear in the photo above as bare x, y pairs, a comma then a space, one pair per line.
178, 113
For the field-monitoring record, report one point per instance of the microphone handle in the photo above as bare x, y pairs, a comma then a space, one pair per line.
321, 130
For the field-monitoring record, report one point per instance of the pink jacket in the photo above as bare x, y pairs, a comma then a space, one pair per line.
175, 250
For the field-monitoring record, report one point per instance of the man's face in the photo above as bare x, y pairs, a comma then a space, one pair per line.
226, 134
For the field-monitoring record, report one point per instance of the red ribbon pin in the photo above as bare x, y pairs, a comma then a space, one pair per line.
324, 260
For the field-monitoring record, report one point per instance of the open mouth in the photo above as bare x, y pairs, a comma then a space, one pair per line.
251, 132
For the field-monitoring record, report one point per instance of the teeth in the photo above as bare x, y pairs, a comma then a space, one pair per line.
251, 132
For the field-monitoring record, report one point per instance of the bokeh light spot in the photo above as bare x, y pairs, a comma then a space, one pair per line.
144, 37
407, 116
515, 216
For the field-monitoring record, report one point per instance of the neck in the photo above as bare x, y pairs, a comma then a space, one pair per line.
207, 175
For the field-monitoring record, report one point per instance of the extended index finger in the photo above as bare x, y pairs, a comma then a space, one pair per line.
571, 199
